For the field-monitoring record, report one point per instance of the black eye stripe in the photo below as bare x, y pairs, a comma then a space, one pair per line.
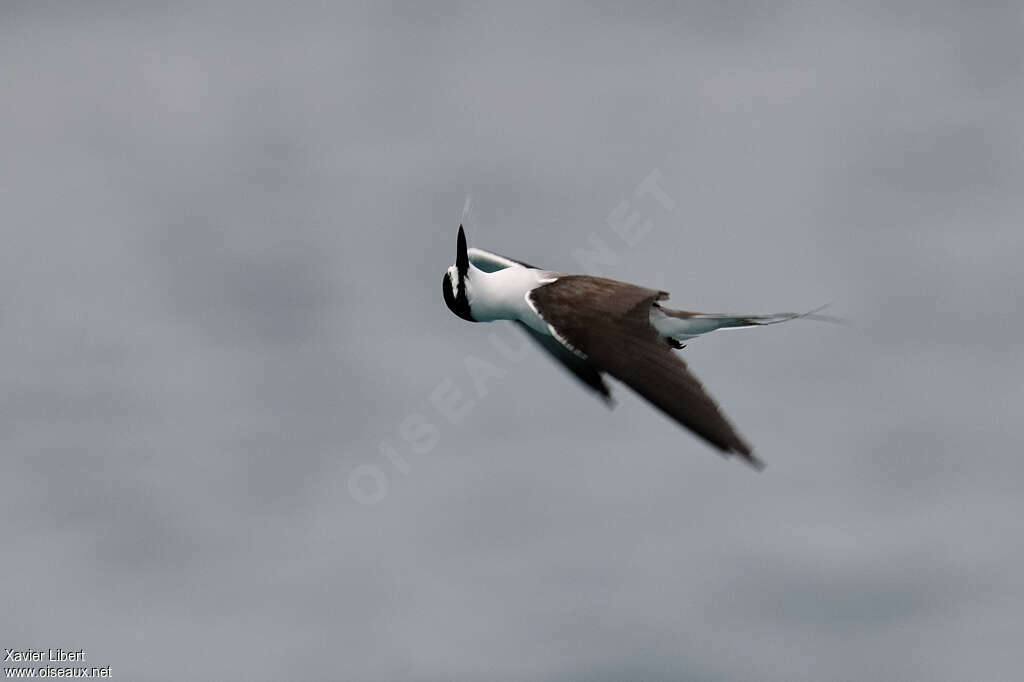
462, 299
460, 293
455, 297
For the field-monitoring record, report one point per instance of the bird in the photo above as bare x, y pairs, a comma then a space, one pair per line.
596, 326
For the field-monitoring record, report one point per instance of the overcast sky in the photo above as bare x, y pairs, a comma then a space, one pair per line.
243, 438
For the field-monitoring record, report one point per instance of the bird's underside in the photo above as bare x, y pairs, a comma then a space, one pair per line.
606, 326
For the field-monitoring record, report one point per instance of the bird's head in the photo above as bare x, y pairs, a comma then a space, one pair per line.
456, 281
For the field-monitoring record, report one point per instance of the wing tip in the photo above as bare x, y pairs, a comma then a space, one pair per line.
754, 463
745, 452
747, 455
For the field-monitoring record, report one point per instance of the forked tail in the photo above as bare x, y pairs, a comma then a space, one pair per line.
682, 325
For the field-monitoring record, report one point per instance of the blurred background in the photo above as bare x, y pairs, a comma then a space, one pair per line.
244, 439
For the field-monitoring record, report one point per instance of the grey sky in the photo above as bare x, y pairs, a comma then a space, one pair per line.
224, 235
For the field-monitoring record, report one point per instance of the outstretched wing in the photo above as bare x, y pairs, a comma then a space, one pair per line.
582, 369
492, 262
609, 323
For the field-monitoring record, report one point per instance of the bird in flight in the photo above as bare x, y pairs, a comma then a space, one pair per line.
596, 326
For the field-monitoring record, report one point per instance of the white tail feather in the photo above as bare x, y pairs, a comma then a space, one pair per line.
682, 327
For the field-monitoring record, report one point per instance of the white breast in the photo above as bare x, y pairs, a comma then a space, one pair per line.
501, 295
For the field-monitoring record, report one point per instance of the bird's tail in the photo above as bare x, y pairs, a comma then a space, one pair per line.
683, 324
730, 321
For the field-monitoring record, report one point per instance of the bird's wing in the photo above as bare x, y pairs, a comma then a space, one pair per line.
608, 322
492, 262
582, 369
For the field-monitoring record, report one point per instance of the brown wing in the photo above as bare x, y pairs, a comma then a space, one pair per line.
584, 370
609, 322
